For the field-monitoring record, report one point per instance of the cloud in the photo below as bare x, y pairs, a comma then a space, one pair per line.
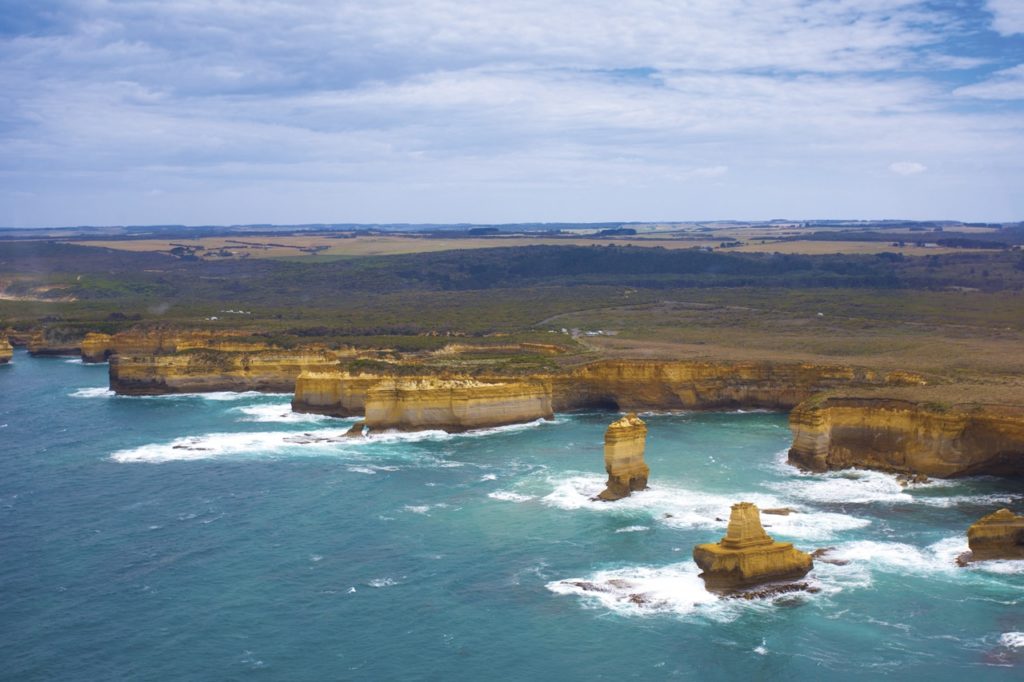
907, 167
605, 107
1006, 84
1007, 16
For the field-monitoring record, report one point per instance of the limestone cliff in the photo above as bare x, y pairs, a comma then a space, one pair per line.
747, 555
97, 347
666, 385
633, 385
454, 404
337, 393
907, 437
48, 341
198, 371
624, 443
1000, 535
6, 350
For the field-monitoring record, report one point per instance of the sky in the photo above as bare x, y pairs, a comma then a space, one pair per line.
200, 112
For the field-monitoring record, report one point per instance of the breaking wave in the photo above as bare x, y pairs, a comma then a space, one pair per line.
683, 508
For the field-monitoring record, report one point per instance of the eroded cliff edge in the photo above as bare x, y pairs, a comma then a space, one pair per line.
904, 436
204, 370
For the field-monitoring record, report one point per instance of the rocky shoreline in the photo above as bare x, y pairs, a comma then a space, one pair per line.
834, 425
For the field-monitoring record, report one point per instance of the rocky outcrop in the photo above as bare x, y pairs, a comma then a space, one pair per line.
454, 404
907, 437
356, 431
747, 555
198, 371
97, 347
624, 443
54, 342
1000, 535
6, 350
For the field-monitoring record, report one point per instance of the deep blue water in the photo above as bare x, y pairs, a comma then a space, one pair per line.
209, 538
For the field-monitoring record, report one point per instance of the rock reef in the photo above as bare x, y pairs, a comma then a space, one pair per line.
1000, 535
747, 555
624, 443
454, 404
6, 350
906, 437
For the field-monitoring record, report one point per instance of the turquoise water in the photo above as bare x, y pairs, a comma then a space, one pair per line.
220, 537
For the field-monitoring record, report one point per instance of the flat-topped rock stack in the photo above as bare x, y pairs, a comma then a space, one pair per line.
6, 350
1000, 535
624, 443
747, 555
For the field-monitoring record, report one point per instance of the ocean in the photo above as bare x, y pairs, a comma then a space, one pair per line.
222, 537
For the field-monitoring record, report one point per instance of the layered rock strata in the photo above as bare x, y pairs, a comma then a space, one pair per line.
336, 394
908, 438
624, 443
747, 555
1000, 535
637, 385
97, 347
54, 342
633, 385
454, 404
199, 371
6, 350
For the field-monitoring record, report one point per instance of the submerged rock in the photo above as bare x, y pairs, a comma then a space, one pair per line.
747, 555
1000, 535
779, 511
356, 431
624, 443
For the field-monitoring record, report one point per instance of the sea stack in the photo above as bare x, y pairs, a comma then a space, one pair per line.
747, 555
624, 457
6, 351
1000, 535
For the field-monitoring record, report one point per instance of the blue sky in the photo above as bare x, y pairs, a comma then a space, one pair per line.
280, 111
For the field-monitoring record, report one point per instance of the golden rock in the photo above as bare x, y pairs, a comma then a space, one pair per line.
747, 555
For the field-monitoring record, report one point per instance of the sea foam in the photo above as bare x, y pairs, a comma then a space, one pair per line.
277, 413
683, 508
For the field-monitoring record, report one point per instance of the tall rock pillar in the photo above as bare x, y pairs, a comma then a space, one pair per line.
624, 457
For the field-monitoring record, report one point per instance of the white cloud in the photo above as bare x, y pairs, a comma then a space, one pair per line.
1007, 16
1005, 84
612, 104
907, 167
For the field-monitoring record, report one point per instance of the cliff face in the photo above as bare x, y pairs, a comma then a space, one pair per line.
634, 385
6, 350
338, 394
54, 342
454, 404
97, 347
907, 437
624, 443
207, 370
747, 555
666, 385
1000, 535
